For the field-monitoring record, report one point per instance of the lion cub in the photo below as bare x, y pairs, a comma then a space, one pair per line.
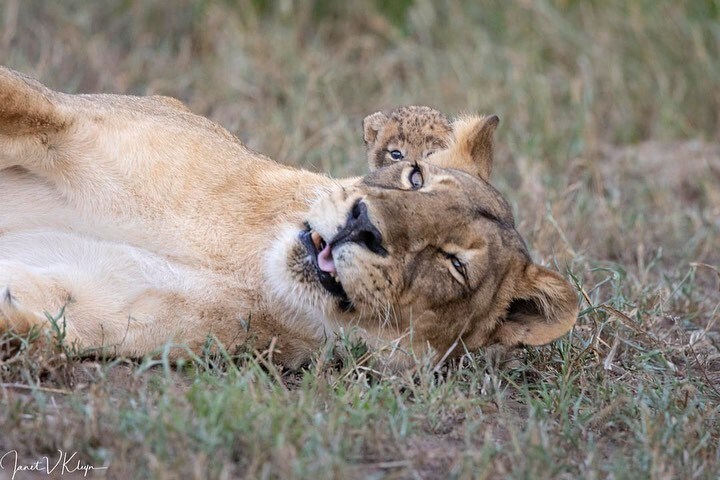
408, 133
414, 133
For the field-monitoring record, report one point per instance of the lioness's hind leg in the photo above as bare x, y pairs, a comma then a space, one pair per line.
26, 106
29, 116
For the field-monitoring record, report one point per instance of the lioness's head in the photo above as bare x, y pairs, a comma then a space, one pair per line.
430, 253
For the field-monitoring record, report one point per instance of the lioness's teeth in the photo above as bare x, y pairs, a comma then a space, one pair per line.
317, 240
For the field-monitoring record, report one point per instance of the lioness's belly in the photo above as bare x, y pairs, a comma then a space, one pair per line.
114, 280
29, 203
115, 266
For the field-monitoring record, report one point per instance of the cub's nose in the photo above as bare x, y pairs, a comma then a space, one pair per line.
359, 229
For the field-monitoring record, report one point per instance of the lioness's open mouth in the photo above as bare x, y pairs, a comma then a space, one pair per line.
321, 255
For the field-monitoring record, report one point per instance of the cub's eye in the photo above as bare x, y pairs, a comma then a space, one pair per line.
429, 152
396, 155
458, 265
416, 178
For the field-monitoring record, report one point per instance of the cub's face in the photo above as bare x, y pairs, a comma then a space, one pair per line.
409, 133
426, 254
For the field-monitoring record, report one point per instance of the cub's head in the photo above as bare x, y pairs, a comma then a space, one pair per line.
429, 255
409, 133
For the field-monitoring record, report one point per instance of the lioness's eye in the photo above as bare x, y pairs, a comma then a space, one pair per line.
429, 152
416, 178
458, 265
396, 155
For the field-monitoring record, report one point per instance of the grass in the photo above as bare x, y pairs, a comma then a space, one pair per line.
609, 113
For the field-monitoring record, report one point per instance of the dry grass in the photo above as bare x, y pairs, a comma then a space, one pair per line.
609, 110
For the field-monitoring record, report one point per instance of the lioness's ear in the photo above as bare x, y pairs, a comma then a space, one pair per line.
26, 106
544, 308
474, 144
372, 125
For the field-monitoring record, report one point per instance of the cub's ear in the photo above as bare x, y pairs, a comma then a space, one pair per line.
372, 125
474, 145
26, 106
544, 308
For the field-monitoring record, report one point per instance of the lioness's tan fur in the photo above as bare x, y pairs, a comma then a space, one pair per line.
149, 225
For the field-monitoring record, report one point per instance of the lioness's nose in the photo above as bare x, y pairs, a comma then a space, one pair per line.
359, 229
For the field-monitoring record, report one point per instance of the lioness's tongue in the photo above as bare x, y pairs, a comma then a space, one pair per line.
325, 260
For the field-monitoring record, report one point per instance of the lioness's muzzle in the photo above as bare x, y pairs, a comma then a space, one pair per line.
359, 229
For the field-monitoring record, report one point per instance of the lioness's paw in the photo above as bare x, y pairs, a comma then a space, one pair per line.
8, 304
14, 316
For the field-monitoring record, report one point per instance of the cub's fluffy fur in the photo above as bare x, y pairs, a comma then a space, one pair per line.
407, 133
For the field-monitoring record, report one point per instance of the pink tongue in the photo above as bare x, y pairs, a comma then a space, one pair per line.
325, 260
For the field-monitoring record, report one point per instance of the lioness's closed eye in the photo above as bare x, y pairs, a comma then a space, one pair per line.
146, 224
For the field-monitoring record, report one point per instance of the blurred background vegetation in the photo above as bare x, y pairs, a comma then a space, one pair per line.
294, 78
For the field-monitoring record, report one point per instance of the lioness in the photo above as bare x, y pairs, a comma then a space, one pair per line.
149, 224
